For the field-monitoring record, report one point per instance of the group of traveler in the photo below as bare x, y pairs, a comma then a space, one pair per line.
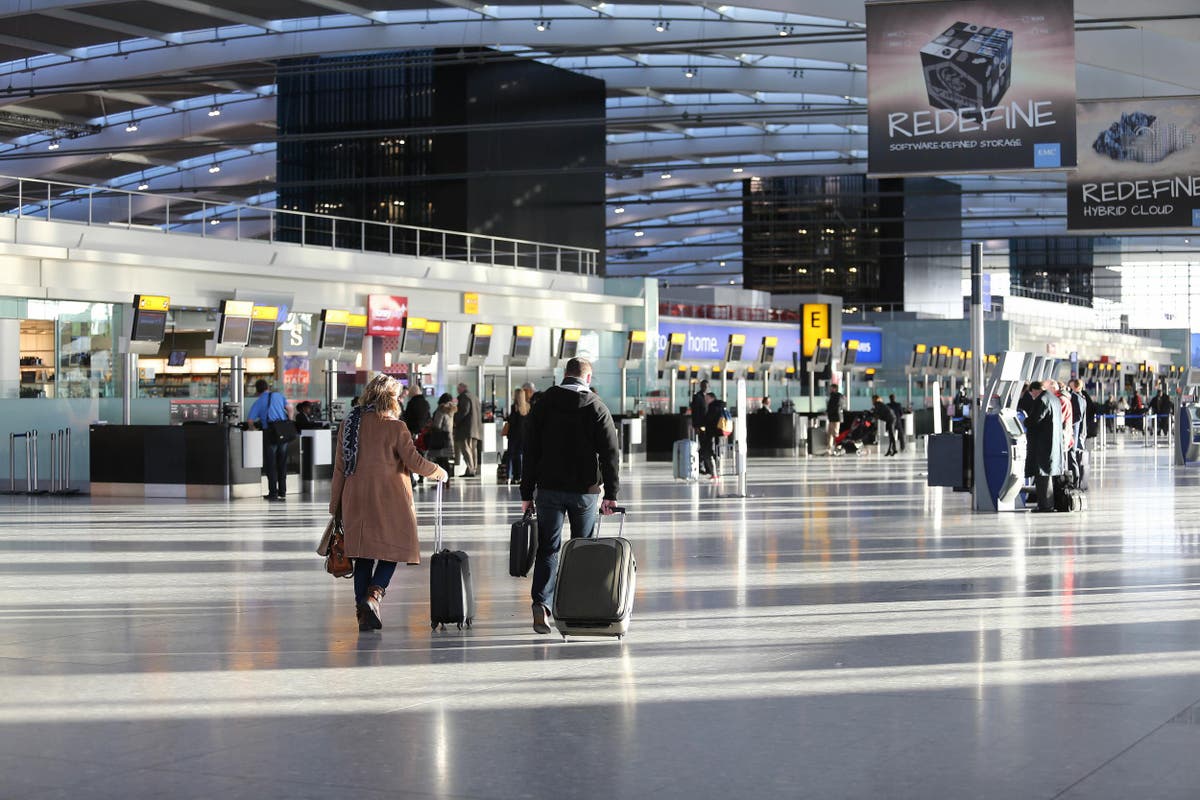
1132, 413
710, 422
563, 448
887, 416
1057, 427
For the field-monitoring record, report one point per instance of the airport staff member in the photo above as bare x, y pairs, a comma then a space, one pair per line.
1044, 448
571, 453
271, 407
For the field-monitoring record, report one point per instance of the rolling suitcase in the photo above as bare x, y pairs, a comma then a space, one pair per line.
522, 545
451, 593
685, 460
596, 581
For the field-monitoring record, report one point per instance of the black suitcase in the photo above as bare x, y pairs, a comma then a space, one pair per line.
451, 593
596, 582
1067, 497
522, 545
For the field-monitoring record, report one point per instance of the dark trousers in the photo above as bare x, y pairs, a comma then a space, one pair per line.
1045, 492
891, 434
516, 460
368, 572
709, 463
552, 506
275, 462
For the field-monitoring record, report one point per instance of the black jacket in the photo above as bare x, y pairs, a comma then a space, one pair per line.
833, 408
698, 408
883, 413
417, 414
516, 429
570, 444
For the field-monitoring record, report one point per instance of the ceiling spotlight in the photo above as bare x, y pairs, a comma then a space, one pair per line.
54, 144
665, 176
214, 222
398, 203
852, 269
738, 170
399, 141
722, 263
639, 234
143, 186
619, 210
688, 72
785, 30
661, 25
214, 169
215, 111
797, 73
131, 127
542, 25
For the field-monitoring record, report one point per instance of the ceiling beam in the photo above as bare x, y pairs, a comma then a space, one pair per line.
38, 47
204, 9
348, 8
80, 18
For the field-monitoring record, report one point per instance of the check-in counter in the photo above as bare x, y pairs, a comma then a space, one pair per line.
661, 433
632, 434
316, 457
773, 434
195, 461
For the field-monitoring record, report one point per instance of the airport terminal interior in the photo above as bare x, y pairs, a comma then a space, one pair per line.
891, 304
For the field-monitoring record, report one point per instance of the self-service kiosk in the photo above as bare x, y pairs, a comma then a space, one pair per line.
1188, 450
1004, 460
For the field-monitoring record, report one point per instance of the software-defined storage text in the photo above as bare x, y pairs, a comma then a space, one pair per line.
1034, 114
957, 144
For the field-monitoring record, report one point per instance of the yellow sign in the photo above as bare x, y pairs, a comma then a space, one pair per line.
266, 312
920, 348
814, 325
852, 344
335, 317
152, 302
572, 334
678, 338
432, 327
637, 336
524, 331
357, 321
416, 324
470, 302
737, 338
237, 308
482, 329
771, 341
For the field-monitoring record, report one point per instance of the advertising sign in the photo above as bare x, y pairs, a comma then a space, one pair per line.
870, 343
1139, 165
385, 314
814, 322
979, 86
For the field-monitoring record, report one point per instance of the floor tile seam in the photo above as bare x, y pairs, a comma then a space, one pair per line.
1123, 751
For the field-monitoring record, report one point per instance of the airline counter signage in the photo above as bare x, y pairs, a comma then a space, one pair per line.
870, 343
708, 342
977, 86
385, 314
814, 322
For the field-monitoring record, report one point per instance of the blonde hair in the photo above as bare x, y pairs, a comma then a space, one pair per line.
383, 392
520, 403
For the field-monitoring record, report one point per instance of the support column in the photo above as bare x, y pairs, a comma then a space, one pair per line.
978, 401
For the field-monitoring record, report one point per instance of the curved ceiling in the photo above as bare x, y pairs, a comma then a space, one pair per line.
155, 93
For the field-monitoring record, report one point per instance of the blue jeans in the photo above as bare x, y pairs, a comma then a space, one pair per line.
368, 573
275, 461
582, 510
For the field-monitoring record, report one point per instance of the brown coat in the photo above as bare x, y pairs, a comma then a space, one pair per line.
376, 502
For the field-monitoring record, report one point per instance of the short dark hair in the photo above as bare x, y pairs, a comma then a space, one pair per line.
703, 386
261, 386
577, 368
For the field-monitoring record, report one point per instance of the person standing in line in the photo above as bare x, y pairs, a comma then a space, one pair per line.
1043, 454
439, 438
514, 429
698, 408
571, 456
833, 413
765, 408
372, 494
712, 436
468, 431
898, 410
886, 418
271, 407
1163, 409
416, 416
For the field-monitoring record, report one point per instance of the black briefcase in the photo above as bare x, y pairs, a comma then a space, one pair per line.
522, 545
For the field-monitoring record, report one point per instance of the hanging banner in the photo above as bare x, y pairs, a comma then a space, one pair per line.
970, 86
1139, 165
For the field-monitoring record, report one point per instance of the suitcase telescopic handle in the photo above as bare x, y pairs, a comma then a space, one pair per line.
619, 510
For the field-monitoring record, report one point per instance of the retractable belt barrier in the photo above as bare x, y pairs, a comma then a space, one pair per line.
60, 462
30, 440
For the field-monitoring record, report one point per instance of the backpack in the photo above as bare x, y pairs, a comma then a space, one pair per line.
725, 423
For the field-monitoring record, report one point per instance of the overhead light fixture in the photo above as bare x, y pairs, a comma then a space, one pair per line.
662, 25
215, 111
797, 73
54, 144
542, 25
619, 210
738, 170
722, 263
214, 222
785, 30
143, 186
398, 203
688, 72
639, 234
399, 141
665, 176
131, 127
852, 269
214, 169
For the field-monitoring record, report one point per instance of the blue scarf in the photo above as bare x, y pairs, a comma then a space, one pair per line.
350, 438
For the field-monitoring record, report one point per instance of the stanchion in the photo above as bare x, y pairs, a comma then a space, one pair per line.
60, 462
31, 462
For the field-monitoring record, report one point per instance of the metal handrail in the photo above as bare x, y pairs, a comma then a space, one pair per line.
36, 198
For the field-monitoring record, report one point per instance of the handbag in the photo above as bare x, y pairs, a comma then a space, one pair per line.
281, 431
333, 547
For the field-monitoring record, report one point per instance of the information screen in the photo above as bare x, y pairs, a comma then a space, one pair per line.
234, 330
333, 336
522, 341
412, 336
354, 338
149, 326
262, 333
429, 342
177, 358
480, 343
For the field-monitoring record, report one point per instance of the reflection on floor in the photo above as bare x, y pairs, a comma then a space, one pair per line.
844, 633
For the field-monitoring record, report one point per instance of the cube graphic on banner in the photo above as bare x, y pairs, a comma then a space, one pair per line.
968, 67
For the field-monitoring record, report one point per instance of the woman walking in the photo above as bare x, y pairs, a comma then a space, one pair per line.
440, 436
514, 429
372, 494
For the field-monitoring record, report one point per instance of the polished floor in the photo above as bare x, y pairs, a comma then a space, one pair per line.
846, 632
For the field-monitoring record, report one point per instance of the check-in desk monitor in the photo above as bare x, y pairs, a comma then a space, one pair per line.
522, 342
412, 335
1004, 446
262, 333
431, 341
675, 347
356, 333
480, 342
568, 344
149, 318
332, 334
234, 325
850, 353
766, 352
635, 346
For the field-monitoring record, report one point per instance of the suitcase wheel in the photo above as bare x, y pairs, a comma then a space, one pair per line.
433, 625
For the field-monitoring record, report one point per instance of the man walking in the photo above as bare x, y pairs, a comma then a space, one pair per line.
898, 410
271, 407
571, 454
468, 431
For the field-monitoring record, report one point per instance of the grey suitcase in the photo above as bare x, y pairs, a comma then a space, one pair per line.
685, 460
596, 582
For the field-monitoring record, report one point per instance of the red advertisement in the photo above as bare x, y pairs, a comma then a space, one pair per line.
385, 314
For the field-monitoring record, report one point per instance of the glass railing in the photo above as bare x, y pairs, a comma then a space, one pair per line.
30, 198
